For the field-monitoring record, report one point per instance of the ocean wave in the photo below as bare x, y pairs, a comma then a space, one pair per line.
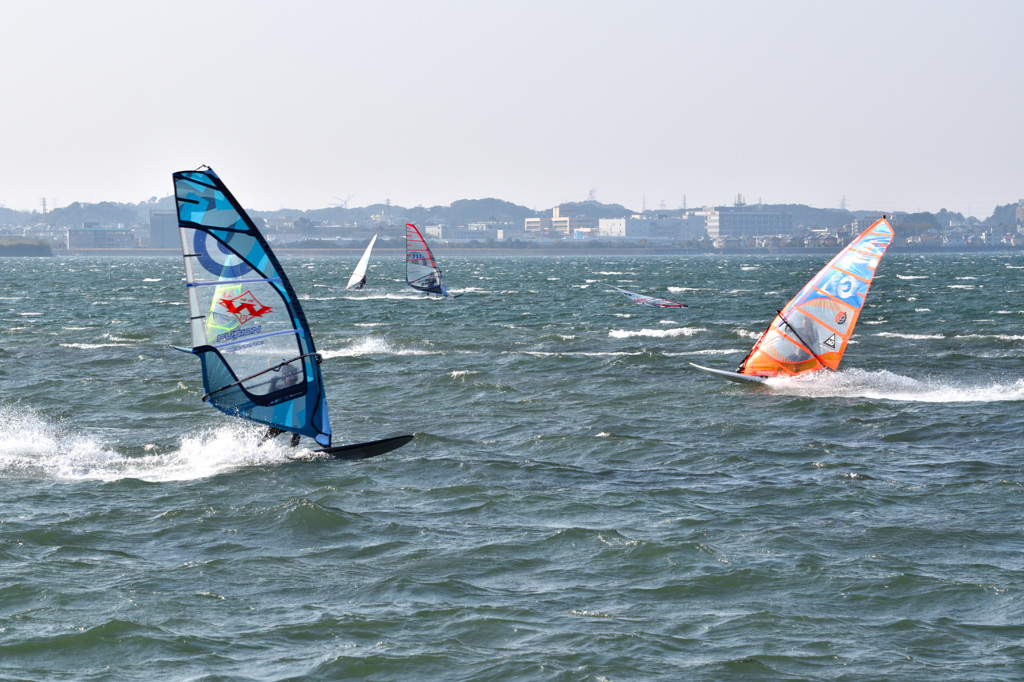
403, 296
32, 447
582, 354
1000, 337
372, 345
917, 337
656, 333
710, 351
91, 346
885, 385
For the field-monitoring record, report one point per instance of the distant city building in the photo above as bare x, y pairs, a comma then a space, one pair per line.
689, 227
624, 228
860, 224
743, 221
461, 234
559, 224
163, 230
92, 236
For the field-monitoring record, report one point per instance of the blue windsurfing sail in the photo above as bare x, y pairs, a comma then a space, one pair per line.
248, 329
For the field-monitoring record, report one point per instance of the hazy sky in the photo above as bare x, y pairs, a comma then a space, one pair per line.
894, 105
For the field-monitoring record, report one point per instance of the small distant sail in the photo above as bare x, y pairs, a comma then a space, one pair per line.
811, 333
358, 278
421, 272
652, 301
248, 329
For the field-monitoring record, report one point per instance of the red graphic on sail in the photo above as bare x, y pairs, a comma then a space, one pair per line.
245, 307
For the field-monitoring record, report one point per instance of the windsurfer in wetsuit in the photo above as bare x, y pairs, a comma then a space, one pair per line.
359, 285
289, 376
273, 432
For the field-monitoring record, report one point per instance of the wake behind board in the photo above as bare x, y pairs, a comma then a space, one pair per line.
365, 450
731, 376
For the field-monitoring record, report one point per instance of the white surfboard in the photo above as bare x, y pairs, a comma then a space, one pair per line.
731, 376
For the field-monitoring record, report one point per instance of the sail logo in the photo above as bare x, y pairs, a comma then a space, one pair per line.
845, 287
245, 307
841, 317
830, 342
239, 333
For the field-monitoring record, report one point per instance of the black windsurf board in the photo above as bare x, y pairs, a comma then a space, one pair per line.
365, 450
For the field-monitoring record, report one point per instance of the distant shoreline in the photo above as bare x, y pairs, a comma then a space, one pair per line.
442, 251
29, 249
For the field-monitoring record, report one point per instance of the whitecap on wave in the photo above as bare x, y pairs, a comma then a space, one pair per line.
711, 351
31, 447
91, 346
656, 333
372, 345
885, 385
916, 337
1000, 337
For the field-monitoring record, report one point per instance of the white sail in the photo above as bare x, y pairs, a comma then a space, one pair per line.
358, 278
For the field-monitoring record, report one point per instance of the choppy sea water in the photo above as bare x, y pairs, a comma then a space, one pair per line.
578, 502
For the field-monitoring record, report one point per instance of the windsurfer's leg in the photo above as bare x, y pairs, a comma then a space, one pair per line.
272, 432
295, 440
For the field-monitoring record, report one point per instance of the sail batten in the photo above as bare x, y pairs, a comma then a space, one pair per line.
248, 328
248, 339
813, 330
276, 280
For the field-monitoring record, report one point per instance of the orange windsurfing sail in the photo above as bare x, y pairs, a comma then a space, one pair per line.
812, 331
